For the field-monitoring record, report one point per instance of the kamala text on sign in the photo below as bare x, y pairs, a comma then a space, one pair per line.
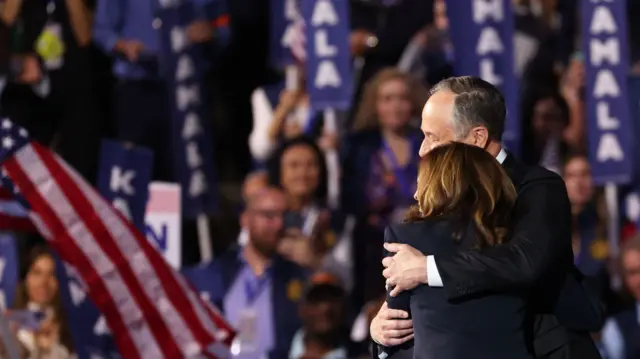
482, 37
184, 67
607, 105
328, 59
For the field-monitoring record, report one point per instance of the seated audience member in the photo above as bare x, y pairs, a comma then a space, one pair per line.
324, 332
621, 333
298, 167
257, 289
38, 291
277, 119
379, 169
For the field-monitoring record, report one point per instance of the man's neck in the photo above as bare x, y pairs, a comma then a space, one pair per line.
297, 204
394, 134
256, 261
494, 148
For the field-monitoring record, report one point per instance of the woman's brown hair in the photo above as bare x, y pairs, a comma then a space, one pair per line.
22, 298
367, 117
465, 182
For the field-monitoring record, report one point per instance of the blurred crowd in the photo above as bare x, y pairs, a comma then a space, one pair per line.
96, 75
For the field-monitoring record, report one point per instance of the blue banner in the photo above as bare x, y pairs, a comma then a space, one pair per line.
482, 37
123, 179
630, 195
328, 65
283, 15
184, 67
9, 265
604, 32
89, 331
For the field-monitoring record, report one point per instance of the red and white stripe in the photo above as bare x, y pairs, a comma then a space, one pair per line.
149, 307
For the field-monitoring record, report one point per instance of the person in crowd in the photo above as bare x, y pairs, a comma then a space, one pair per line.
291, 117
621, 331
381, 30
324, 331
38, 291
429, 55
255, 183
51, 93
129, 31
253, 285
298, 167
465, 201
544, 118
379, 164
470, 110
590, 247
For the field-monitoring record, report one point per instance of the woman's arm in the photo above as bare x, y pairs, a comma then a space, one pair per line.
80, 19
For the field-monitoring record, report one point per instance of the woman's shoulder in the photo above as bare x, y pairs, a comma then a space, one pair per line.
431, 234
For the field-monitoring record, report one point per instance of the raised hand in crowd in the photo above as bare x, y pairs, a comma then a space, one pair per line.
298, 248
130, 48
200, 31
289, 100
48, 335
571, 87
391, 327
328, 141
360, 41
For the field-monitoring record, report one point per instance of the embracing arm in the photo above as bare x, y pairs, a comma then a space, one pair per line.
542, 233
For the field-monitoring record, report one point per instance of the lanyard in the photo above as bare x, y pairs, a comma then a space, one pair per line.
399, 173
254, 287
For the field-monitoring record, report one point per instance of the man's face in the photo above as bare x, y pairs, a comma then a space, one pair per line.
631, 265
436, 124
264, 220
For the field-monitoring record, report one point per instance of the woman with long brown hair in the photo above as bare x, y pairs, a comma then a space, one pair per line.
464, 201
38, 291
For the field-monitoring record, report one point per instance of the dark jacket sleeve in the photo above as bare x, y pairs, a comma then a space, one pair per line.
581, 315
400, 302
541, 236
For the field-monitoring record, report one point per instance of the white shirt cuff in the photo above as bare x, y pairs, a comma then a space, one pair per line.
433, 276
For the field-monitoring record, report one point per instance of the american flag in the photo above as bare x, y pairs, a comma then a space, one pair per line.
150, 308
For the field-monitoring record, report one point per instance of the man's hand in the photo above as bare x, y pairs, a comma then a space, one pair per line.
390, 327
130, 48
406, 269
200, 31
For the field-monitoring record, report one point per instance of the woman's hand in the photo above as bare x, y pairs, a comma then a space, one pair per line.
573, 81
298, 248
328, 141
48, 335
289, 99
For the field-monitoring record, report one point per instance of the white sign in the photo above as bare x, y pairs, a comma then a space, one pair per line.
162, 221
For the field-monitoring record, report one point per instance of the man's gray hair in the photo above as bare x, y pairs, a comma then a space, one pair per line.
478, 103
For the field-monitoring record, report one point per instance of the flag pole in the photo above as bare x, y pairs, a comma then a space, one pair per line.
613, 228
204, 238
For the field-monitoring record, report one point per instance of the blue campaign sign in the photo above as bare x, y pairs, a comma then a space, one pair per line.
158, 236
123, 178
328, 65
482, 37
90, 334
630, 196
183, 67
283, 16
8, 269
609, 125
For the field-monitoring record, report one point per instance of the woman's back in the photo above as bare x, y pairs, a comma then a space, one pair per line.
465, 200
490, 326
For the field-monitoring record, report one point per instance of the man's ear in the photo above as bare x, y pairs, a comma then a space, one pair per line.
480, 136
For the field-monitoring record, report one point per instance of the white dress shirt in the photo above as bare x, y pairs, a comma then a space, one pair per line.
433, 276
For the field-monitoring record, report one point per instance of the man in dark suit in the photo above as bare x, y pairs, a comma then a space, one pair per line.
471, 110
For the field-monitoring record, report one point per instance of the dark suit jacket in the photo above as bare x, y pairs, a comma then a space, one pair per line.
539, 255
488, 326
217, 277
